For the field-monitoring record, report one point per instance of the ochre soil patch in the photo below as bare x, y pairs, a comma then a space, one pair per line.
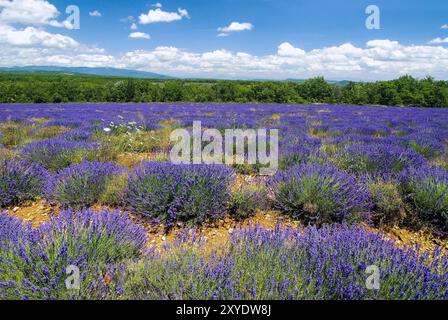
217, 234
35, 213
425, 240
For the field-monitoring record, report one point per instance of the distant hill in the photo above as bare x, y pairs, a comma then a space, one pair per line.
113, 72
336, 82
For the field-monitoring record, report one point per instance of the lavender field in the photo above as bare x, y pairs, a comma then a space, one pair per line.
93, 207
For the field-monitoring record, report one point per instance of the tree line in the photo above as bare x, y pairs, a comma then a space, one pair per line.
57, 88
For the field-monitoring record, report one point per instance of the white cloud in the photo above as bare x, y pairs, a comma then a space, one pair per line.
95, 13
439, 40
234, 27
183, 12
134, 26
445, 26
24, 40
158, 15
287, 50
35, 15
139, 35
384, 44
30, 12
31, 36
157, 5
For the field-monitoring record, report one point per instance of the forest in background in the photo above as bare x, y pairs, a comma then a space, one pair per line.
61, 88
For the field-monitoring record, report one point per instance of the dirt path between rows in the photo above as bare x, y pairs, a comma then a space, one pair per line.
218, 234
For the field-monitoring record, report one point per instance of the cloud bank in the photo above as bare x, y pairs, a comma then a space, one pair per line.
378, 59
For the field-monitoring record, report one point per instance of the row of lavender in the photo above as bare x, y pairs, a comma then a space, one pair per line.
114, 263
420, 128
300, 126
166, 193
356, 119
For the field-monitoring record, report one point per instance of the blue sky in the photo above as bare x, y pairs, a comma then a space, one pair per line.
319, 37
308, 24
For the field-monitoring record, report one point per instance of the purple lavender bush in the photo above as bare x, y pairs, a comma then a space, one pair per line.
292, 155
244, 201
171, 193
33, 262
82, 134
378, 160
428, 145
81, 185
285, 264
319, 194
427, 191
55, 154
12, 229
20, 181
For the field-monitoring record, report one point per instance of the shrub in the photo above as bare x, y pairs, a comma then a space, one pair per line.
56, 154
319, 194
113, 194
14, 134
170, 192
6, 154
378, 160
48, 132
247, 169
34, 261
388, 207
131, 160
20, 181
138, 142
82, 185
427, 191
246, 200
329, 263
131, 141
